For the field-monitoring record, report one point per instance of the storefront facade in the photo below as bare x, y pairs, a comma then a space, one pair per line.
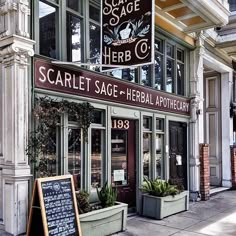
148, 120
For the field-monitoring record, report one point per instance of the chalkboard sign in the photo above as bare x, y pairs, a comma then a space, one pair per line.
54, 209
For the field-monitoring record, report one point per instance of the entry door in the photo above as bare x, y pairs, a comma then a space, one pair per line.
178, 153
123, 160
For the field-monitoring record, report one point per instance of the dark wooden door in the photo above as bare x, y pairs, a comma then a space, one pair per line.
178, 153
123, 160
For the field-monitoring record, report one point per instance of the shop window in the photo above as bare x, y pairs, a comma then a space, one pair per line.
74, 154
147, 123
73, 38
48, 19
119, 157
97, 146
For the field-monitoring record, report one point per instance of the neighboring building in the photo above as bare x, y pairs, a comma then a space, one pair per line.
130, 138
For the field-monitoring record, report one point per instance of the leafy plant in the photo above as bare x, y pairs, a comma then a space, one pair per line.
47, 112
107, 195
83, 202
159, 188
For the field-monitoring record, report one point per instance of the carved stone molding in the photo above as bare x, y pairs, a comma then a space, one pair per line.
14, 18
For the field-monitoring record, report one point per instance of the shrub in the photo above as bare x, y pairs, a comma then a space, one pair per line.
107, 195
159, 188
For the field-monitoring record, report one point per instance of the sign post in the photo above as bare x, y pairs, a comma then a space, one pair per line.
54, 210
127, 36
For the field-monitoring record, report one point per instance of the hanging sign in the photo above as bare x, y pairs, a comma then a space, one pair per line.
127, 36
54, 209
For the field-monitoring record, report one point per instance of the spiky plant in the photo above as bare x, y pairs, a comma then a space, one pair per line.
159, 188
107, 195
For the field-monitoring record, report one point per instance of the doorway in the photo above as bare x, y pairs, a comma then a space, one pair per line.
178, 153
123, 169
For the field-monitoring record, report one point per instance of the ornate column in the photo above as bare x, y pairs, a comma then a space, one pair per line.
15, 51
196, 121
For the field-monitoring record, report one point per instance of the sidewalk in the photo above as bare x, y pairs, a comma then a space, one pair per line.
216, 217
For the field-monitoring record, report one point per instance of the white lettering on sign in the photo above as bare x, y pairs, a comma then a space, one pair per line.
111, 7
120, 124
116, 57
110, 89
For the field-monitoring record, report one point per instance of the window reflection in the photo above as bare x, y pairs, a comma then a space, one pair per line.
147, 147
119, 157
180, 79
158, 72
159, 154
126, 74
49, 155
96, 158
170, 75
94, 31
74, 154
73, 4
146, 76
47, 28
73, 38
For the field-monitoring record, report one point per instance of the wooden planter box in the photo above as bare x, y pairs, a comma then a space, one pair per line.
105, 221
160, 207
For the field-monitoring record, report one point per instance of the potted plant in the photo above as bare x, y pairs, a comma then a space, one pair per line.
161, 199
104, 218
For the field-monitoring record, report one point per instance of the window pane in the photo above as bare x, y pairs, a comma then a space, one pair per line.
170, 76
170, 50
94, 13
74, 154
147, 147
73, 38
180, 79
159, 45
94, 32
158, 72
180, 55
159, 124
49, 156
232, 5
146, 76
129, 75
159, 154
147, 123
119, 155
126, 74
96, 157
47, 27
73, 4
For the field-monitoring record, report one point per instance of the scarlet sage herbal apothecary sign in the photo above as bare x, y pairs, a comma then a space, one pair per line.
84, 83
127, 36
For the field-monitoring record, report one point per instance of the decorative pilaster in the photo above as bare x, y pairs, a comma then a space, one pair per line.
14, 15
15, 51
196, 122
